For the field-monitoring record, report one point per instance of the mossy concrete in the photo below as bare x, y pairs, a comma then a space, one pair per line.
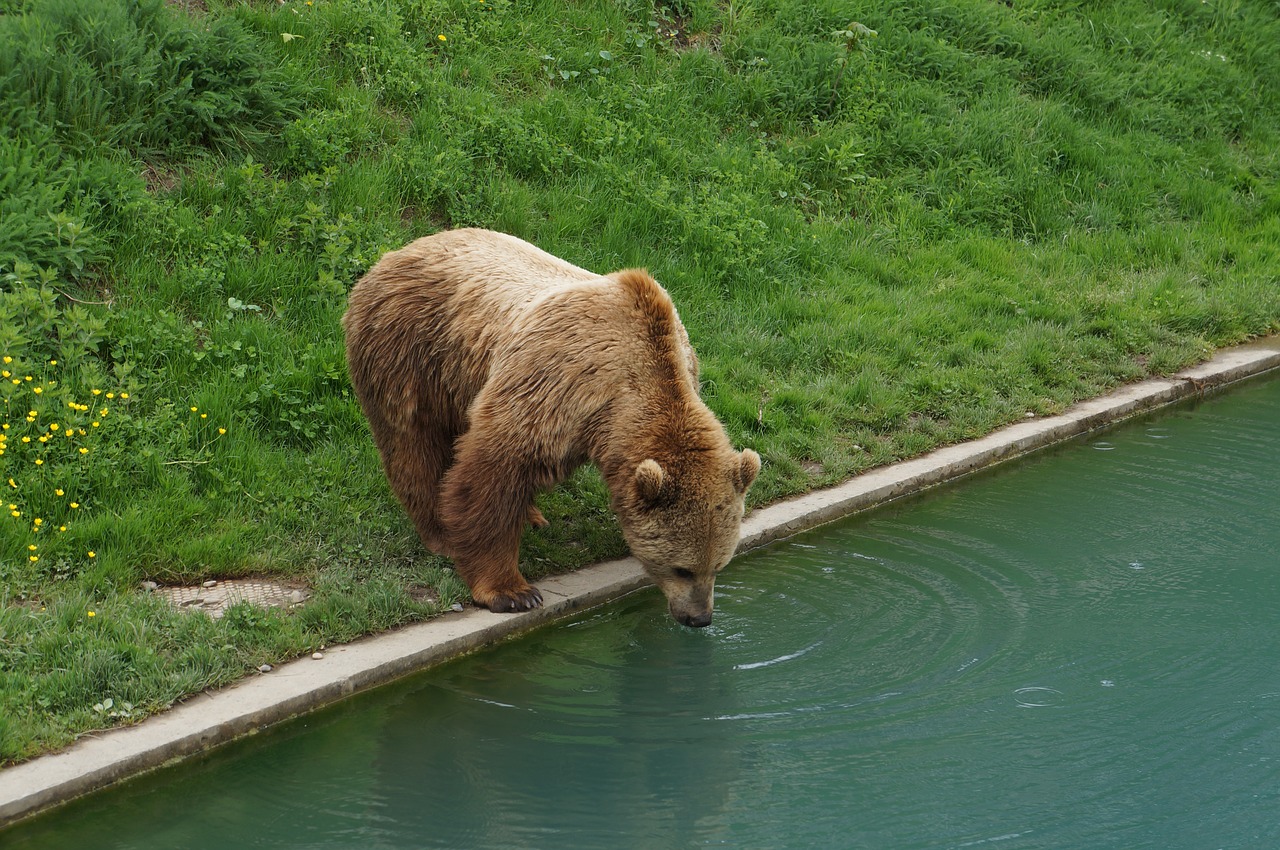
211, 719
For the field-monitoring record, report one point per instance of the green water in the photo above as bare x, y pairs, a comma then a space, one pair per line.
1081, 651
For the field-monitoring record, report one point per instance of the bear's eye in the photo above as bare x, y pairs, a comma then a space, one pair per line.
680, 573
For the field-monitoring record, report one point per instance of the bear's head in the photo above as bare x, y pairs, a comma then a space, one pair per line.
681, 518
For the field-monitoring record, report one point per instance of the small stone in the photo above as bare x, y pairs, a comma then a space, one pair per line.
150, 586
297, 597
265, 668
317, 655
210, 583
457, 606
1030, 415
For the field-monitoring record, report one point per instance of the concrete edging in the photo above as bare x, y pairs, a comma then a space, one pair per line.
210, 719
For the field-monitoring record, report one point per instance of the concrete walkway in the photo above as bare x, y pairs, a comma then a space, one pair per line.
211, 719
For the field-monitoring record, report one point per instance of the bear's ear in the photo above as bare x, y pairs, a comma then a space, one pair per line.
649, 477
748, 468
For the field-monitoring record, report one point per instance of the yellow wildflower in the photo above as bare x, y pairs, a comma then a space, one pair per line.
91, 614
38, 390
93, 555
83, 450
75, 504
57, 492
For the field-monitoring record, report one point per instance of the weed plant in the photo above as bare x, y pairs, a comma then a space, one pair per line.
887, 228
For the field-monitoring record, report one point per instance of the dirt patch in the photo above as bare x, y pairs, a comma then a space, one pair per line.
160, 179
27, 604
673, 28
423, 594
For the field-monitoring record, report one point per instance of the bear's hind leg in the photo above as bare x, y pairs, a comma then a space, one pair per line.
415, 461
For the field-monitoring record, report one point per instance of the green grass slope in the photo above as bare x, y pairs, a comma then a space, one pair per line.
887, 227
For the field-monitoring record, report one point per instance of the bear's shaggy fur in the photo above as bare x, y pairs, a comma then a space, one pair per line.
489, 370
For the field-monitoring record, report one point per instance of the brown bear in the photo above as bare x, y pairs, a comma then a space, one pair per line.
489, 370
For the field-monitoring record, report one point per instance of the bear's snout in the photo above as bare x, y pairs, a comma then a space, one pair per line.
695, 619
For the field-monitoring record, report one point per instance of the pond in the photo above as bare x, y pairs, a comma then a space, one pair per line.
1078, 650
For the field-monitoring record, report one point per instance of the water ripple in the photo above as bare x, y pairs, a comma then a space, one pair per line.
755, 665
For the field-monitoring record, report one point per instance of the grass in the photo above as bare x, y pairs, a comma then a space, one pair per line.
887, 229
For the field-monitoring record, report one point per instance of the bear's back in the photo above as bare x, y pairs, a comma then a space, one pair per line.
429, 324
426, 321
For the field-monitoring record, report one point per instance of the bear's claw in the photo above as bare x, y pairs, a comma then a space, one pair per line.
504, 602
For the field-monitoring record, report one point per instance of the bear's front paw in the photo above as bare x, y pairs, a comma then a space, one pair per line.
507, 601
